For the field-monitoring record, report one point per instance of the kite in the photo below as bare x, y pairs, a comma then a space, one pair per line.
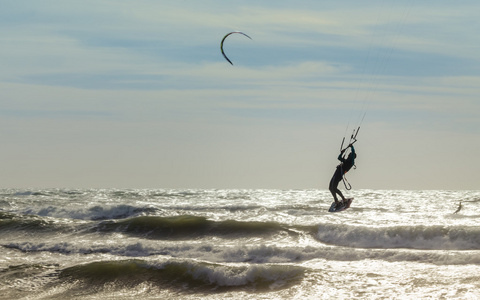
221, 44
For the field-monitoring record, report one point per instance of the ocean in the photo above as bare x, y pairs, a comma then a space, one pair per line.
238, 244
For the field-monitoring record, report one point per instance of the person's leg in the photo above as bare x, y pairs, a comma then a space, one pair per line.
334, 196
333, 187
341, 195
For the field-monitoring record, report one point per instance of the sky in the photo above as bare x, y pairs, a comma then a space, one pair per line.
136, 94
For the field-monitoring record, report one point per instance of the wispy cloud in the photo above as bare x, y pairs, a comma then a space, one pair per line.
152, 72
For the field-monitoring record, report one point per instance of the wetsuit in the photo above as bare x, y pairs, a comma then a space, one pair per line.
342, 168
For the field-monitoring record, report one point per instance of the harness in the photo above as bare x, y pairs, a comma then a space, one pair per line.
344, 177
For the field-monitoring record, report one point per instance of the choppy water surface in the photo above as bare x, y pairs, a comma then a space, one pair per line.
256, 244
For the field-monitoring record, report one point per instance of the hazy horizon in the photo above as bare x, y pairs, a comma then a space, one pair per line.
138, 95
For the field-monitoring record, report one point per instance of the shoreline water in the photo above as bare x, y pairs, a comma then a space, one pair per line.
256, 244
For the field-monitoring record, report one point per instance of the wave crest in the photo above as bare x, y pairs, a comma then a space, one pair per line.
414, 237
187, 226
185, 275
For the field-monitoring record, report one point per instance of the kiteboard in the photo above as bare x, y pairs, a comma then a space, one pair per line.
341, 205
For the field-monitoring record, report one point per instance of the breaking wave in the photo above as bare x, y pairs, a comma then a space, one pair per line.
410, 237
256, 254
91, 213
183, 275
187, 226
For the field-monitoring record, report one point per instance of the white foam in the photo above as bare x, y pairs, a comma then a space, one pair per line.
414, 237
237, 275
258, 254
89, 213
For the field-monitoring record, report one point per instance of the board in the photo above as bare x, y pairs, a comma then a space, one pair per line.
341, 206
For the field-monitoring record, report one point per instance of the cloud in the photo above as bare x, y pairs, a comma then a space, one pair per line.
142, 87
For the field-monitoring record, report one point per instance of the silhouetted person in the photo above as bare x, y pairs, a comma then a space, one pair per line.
342, 168
459, 207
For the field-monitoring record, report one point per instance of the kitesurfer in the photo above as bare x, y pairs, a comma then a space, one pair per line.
345, 166
459, 207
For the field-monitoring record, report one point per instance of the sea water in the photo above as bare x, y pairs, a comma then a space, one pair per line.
238, 244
